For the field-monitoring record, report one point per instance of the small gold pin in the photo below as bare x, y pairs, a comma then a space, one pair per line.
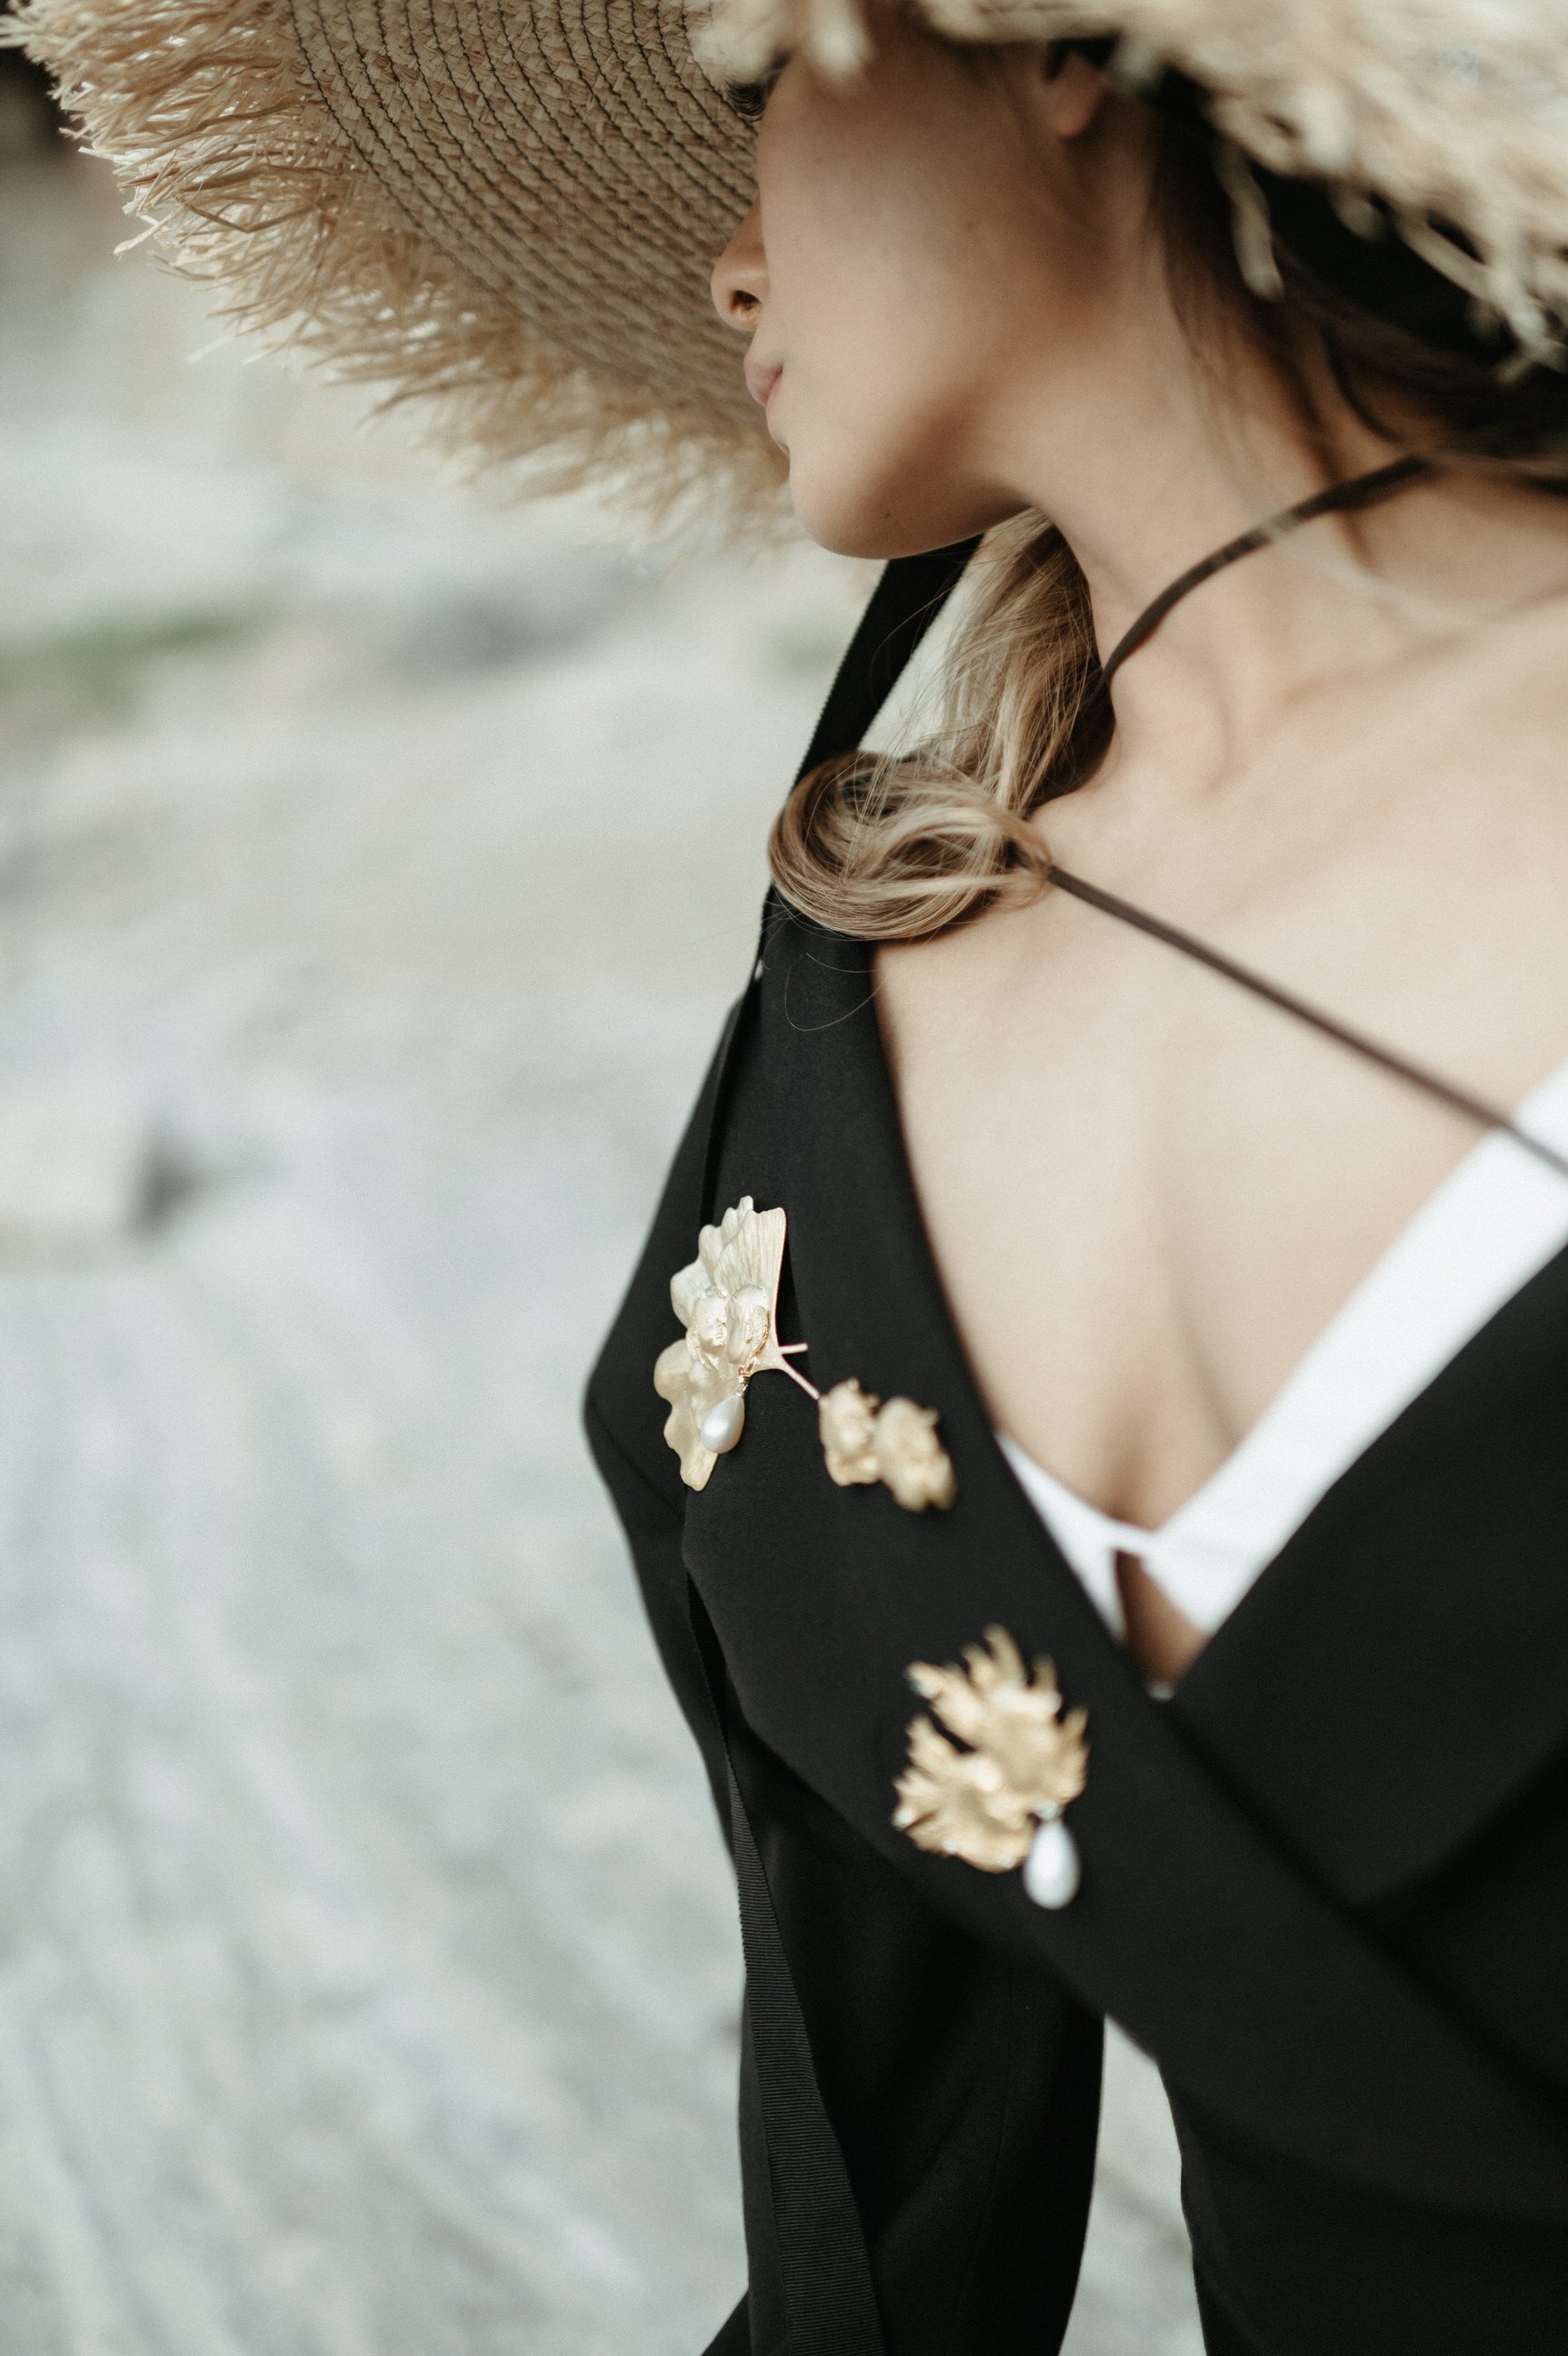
864, 1441
998, 1804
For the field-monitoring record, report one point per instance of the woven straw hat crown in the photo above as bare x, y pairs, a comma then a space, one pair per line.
511, 206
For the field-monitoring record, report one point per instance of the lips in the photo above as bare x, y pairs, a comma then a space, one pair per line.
760, 381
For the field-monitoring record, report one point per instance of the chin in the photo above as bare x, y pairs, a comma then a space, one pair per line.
887, 516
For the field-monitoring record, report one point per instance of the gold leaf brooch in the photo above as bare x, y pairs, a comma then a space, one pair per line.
727, 1300
998, 1804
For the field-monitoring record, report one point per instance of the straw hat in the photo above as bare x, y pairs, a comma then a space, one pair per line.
510, 208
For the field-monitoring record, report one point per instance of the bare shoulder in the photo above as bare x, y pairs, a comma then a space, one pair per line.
931, 993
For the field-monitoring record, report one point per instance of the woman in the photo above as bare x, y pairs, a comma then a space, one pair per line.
1112, 1144
1274, 1346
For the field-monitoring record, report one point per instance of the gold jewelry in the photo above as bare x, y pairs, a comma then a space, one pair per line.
998, 1804
864, 1441
727, 1300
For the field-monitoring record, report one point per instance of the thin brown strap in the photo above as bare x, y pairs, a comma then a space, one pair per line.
1416, 1075
1360, 491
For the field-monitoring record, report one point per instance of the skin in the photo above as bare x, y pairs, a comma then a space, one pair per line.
1147, 1195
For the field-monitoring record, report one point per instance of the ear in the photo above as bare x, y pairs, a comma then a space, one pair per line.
1075, 90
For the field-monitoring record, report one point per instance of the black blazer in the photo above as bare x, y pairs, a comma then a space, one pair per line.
1325, 1885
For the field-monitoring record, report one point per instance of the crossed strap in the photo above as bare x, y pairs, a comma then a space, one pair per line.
823, 2274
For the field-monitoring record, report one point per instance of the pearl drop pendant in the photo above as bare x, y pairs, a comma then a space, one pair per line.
723, 1425
1051, 1870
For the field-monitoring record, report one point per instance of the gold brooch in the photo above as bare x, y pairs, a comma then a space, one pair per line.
727, 1300
998, 1804
864, 1441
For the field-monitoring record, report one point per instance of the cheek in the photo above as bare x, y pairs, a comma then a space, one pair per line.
885, 310
871, 280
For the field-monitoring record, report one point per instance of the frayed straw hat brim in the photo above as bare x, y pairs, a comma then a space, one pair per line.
508, 212
510, 208
1452, 115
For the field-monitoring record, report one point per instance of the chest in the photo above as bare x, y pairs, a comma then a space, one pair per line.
1148, 1194
1384, 1683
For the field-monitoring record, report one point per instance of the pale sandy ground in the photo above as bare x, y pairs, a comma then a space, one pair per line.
373, 873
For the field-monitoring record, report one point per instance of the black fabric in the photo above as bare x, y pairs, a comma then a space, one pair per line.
905, 601
1323, 1885
820, 2272
1304, 1877
1221, 2336
963, 2093
734, 2335
1292, 2263
821, 1597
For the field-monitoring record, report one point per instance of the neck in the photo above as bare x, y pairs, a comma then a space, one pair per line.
1150, 462
1348, 495
1148, 466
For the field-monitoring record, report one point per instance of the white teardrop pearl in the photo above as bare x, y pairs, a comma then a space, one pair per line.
723, 1425
1051, 1871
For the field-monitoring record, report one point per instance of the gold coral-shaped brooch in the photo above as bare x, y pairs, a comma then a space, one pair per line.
865, 1440
727, 1300
998, 1804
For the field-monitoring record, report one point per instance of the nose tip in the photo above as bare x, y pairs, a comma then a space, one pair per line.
736, 304
739, 280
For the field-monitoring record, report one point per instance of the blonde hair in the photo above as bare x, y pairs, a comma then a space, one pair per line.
889, 847
886, 847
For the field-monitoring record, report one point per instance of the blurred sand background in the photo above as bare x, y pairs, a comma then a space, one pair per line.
374, 869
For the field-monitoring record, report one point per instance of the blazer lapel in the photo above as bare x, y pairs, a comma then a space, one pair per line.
1205, 1924
1399, 1675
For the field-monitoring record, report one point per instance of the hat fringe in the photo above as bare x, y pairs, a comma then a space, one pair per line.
226, 151
1451, 112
